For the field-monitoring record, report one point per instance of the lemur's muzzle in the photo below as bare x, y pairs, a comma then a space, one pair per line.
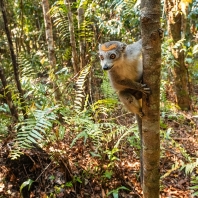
107, 67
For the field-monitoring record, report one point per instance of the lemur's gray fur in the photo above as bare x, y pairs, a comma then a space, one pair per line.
124, 65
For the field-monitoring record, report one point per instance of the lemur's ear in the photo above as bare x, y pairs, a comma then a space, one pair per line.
123, 46
99, 46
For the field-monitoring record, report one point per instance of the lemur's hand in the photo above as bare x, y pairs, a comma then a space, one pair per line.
145, 90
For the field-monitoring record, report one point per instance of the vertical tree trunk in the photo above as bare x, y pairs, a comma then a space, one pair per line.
151, 43
72, 38
50, 42
175, 17
82, 37
8, 96
13, 56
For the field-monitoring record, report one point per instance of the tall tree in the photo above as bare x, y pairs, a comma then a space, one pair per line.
82, 38
13, 57
72, 38
151, 43
176, 28
50, 42
8, 95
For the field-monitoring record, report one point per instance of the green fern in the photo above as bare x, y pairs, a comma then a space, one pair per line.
190, 167
80, 88
59, 15
33, 130
25, 66
99, 133
15, 153
86, 31
82, 134
194, 186
29, 64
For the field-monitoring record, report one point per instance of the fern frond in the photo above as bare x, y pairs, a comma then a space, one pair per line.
80, 135
59, 15
34, 129
125, 133
29, 64
86, 31
190, 167
15, 153
101, 133
80, 88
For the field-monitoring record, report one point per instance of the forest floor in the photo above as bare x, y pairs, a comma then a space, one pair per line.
59, 170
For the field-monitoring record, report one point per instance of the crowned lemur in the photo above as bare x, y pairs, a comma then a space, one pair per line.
124, 65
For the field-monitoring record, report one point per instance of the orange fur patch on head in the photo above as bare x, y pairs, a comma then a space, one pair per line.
104, 48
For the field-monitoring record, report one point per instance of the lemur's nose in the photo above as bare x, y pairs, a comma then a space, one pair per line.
105, 67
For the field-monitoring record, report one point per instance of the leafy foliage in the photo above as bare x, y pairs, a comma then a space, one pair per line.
115, 191
34, 129
195, 185
190, 167
93, 121
80, 88
29, 65
28, 183
59, 14
106, 137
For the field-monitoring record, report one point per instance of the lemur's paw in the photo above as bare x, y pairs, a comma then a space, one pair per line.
140, 114
145, 89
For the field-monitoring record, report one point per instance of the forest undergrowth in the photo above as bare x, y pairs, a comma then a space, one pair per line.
63, 132
80, 165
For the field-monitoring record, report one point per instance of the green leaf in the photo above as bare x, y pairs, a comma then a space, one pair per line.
108, 174
26, 183
69, 184
36, 134
95, 154
40, 129
80, 135
115, 194
32, 139
115, 191
194, 187
196, 193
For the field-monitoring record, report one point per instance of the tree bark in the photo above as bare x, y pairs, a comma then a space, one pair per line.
13, 56
8, 96
50, 42
72, 38
151, 43
82, 37
175, 20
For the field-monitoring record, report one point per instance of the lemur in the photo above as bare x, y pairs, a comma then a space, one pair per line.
125, 68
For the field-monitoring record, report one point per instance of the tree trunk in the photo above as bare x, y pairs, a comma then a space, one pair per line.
13, 56
151, 43
82, 37
50, 42
8, 96
175, 18
72, 38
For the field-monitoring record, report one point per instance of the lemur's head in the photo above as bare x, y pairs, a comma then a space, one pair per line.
109, 53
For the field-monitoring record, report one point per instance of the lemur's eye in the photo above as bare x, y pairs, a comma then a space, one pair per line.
112, 56
101, 57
